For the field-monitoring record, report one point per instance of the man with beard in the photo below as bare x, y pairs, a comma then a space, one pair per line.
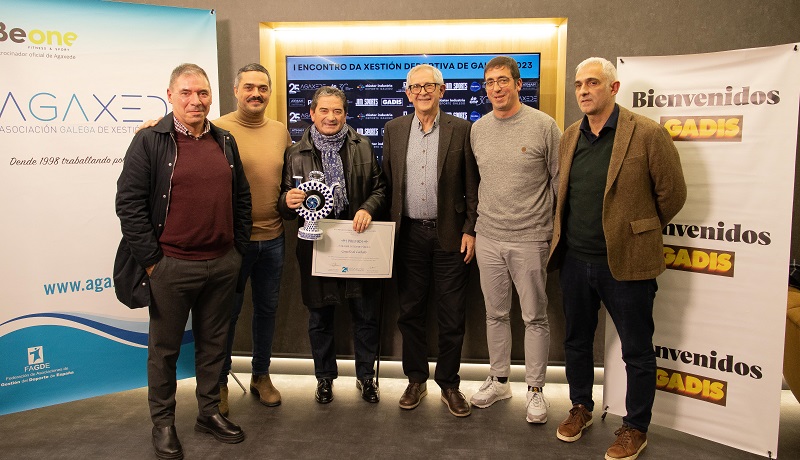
262, 142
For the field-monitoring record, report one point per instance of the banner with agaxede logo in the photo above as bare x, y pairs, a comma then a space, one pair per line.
721, 305
78, 78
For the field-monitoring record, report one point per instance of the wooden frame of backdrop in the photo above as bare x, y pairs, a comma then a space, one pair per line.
494, 36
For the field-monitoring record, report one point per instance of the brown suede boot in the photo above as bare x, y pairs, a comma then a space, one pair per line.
223, 400
261, 386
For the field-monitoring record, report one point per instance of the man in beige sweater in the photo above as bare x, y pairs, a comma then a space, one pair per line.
261, 142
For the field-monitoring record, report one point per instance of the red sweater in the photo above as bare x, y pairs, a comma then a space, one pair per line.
199, 223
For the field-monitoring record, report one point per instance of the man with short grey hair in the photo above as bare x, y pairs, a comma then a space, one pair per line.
177, 260
624, 183
516, 149
262, 142
433, 181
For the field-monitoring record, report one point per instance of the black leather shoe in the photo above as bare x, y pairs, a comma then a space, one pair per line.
219, 427
166, 443
324, 393
369, 390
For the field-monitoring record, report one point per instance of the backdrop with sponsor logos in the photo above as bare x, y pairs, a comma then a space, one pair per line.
74, 89
375, 86
721, 304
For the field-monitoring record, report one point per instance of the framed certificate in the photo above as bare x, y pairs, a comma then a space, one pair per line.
343, 253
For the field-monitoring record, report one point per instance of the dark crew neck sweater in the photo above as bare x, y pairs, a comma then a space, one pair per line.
199, 222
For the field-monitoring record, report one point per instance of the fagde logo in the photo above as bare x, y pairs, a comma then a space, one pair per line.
35, 355
37, 36
36, 359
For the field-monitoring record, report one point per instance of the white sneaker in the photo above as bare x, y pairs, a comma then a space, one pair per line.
491, 390
537, 406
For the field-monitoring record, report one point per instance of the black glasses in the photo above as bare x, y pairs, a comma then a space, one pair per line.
429, 88
501, 82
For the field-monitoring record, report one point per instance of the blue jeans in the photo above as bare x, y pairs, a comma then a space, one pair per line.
263, 264
364, 311
630, 304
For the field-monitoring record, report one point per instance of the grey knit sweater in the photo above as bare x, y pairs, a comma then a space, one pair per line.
518, 163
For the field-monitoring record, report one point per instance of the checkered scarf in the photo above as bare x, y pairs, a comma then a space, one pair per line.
332, 167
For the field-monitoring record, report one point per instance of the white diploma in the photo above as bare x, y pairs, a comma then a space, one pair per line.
343, 253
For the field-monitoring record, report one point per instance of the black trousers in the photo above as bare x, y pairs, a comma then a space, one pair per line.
321, 325
206, 289
421, 260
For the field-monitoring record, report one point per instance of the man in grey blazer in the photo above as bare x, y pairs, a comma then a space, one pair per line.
433, 182
622, 184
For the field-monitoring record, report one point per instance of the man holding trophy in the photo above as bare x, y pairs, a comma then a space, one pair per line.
357, 186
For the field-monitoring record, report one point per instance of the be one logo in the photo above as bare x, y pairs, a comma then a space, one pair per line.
35, 355
37, 36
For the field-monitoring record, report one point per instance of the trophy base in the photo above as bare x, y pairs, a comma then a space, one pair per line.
310, 235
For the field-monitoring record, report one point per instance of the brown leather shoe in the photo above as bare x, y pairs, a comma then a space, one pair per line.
223, 400
456, 402
629, 444
261, 386
571, 429
413, 395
